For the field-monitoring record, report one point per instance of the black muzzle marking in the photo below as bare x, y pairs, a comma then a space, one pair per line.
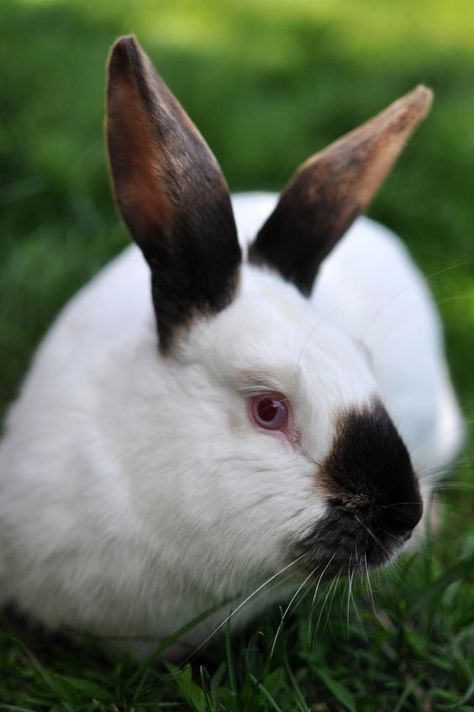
372, 492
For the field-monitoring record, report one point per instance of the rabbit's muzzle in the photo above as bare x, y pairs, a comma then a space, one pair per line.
372, 494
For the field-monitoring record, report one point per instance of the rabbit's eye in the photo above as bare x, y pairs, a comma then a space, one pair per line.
270, 411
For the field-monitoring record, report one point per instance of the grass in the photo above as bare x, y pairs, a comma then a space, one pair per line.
268, 83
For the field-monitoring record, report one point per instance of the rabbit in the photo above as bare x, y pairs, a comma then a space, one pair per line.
254, 394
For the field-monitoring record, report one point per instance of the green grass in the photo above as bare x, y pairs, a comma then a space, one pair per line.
268, 82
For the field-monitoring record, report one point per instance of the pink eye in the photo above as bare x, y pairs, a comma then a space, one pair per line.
270, 411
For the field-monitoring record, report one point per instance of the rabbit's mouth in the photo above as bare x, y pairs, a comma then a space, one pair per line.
352, 540
372, 495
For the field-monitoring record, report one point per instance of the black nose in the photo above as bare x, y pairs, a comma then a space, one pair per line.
369, 473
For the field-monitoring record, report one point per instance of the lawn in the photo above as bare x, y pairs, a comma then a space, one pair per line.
268, 82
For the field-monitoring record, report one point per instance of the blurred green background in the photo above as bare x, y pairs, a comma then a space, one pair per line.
268, 82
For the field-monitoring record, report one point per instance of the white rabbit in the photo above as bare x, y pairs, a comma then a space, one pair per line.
170, 454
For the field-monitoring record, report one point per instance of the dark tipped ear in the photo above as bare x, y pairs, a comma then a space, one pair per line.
328, 192
170, 192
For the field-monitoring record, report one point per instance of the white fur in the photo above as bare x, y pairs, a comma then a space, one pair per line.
135, 492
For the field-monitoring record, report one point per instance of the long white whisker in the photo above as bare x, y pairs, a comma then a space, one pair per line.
328, 592
349, 592
317, 587
331, 602
408, 289
369, 585
283, 618
242, 604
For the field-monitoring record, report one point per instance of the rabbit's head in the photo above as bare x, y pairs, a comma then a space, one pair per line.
282, 446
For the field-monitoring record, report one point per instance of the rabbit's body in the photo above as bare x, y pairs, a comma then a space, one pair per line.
146, 477
73, 546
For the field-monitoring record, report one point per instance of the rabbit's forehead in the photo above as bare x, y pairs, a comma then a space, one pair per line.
270, 335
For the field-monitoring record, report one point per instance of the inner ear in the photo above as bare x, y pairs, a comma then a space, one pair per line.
331, 189
170, 192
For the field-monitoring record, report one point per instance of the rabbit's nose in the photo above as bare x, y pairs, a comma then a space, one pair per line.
369, 471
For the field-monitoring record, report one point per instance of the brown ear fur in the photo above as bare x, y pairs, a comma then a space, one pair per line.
328, 192
171, 193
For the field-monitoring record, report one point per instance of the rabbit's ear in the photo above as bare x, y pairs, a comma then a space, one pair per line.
328, 192
171, 193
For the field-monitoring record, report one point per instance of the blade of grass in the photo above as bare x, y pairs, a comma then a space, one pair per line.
463, 567
299, 695
231, 669
340, 691
266, 694
142, 672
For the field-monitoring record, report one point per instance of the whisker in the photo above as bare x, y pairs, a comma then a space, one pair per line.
461, 486
283, 618
356, 610
328, 593
444, 434
377, 541
408, 289
349, 594
305, 343
338, 578
451, 267
453, 298
316, 589
397, 504
369, 584
242, 604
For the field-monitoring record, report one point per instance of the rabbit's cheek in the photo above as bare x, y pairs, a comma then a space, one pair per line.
373, 501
